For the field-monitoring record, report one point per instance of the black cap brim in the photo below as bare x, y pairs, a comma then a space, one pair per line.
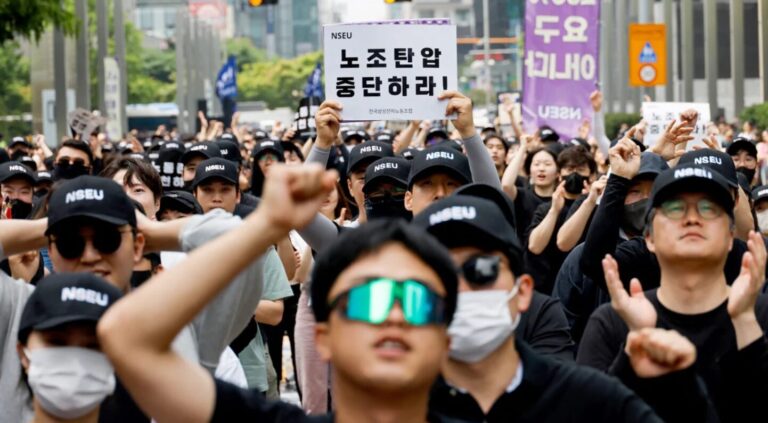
210, 177
718, 192
91, 215
438, 169
382, 178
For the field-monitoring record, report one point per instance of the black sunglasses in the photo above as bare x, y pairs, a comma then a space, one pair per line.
71, 244
65, 163
482, 269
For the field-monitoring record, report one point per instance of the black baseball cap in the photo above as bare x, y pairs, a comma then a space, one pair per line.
10, 170
548, 134
356, 133
368, 152
440, 159
62, 298
651, 165
692, 178
715, 160
206, 149
179, 200
408, 153
230, 150
760, 193
502, 200
19, 140
390, 169
93, 197
259, 135
384, 136
44, 176
218, 168
739, 144
463, 220
436, 132
268, 146
227, 137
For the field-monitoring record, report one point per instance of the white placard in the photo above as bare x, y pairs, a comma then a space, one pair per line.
658, 115
113, 99
392, 70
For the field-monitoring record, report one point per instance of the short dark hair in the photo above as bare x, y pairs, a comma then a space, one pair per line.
529, 158
369, 238
78, 145
493, 135
576, 156
143, 171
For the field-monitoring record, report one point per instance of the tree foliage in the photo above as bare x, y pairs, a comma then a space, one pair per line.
757, 114
30, 18
15, 92
279, 82
245, 52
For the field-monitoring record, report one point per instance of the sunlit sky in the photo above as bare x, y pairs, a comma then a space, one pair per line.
363, 10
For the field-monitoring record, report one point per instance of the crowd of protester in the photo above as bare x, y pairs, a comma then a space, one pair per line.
421, 271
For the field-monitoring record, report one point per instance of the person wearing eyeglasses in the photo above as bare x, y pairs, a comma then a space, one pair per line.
690, 229
74, 158
490, 375
381, 326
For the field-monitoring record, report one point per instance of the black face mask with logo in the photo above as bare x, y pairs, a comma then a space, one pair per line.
387, 206
574, 183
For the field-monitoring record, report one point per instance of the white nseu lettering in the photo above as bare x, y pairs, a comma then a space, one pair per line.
84, 194
439, 155
84, 295
692, 171
762, 192
214, 167
382, 166
198, 147
17, 168
453, 213
267, 143
371, 148
708, 160
559, 112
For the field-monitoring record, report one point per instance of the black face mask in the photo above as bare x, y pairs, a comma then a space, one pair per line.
633, 217
20, 209
386, 206
187, 186
138, 277
749, 173
574, 183
69, 171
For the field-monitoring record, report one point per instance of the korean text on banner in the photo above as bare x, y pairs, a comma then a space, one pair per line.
391, 70
561, 63
658, 115
112, 99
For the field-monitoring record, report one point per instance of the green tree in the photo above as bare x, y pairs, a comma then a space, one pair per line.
276, 81
244, 51
30, 18
15, 93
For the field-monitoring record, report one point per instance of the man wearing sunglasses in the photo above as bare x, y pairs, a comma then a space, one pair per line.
382, 327
92, 227
690, 230
74, 158
489, 375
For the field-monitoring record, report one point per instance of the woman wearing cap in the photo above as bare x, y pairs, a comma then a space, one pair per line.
65, 369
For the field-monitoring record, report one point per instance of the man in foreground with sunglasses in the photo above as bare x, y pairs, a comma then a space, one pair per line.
383, 327
92, 227
690, 228
489, 375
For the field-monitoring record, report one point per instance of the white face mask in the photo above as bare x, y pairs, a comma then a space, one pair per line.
481, 323
69, 382
762, 220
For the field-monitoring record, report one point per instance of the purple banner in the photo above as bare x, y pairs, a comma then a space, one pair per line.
561, 64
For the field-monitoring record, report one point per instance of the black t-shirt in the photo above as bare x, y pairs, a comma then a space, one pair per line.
730, 376
544, 267
545, 328
526, 203
551, 391
234, 404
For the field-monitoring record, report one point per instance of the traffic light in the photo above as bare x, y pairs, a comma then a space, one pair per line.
257, 3
395, 1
